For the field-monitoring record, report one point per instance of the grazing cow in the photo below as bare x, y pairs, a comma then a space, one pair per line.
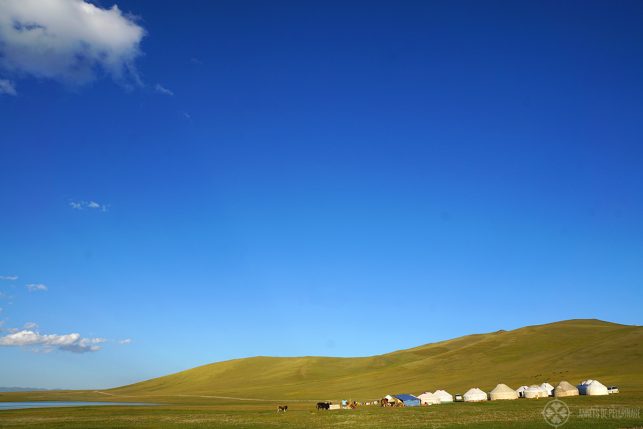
323, 405
281, 408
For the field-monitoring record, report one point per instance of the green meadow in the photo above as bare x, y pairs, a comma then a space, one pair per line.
522, 413
244, 393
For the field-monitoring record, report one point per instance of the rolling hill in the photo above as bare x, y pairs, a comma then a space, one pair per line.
571, 350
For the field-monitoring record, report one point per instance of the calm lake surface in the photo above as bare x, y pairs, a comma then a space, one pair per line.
47, 404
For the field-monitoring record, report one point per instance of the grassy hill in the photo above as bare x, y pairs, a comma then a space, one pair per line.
571, 350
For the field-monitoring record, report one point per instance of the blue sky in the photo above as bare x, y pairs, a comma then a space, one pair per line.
228, 179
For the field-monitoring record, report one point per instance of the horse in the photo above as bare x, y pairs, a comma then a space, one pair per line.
384, 402
281, 408
323, 405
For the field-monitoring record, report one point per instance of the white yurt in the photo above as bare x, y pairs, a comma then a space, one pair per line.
443, 396
565, 389
548, 388
390, 399
501, 392
535, 392
596, 388
428, 398
521, 391
475, 395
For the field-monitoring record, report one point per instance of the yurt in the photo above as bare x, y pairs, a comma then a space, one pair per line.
548, 388
596, 388
428, 398
408, 400
535, 392
521, 391
582, 387
443, 396
565, 389
501, 392
475, 395
391, 399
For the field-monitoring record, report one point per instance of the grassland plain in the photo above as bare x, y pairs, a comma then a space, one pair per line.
522, 413
244, 393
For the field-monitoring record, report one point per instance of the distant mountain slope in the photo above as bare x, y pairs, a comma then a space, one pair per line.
571, 350
23, 389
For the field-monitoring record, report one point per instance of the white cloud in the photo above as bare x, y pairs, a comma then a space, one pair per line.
162, 90
7, 87
126, 341
35, 287
80, 205
30, 326
68, 40
10, 278
68, 342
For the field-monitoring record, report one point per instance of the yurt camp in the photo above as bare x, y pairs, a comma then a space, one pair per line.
593, 388
535, 392
548, 388
503, 392
428, 398
521, 391
475, 395
443, 396
565, 389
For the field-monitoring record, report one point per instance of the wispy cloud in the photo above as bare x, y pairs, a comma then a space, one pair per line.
71, 41
7, 87
48, 342
9, 278
30, 326
81, 205
36, 287
125, 341
162, 90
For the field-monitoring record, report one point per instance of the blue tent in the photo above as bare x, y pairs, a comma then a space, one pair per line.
408, 400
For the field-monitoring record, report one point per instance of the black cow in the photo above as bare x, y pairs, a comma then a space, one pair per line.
281, 408
323, 405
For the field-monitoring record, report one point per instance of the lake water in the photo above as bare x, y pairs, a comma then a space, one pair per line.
47, 404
